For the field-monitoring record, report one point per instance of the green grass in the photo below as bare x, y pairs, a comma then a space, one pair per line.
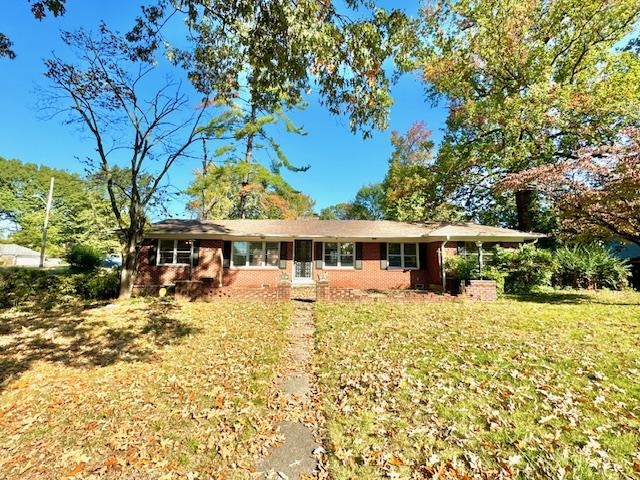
536, 387
140, 390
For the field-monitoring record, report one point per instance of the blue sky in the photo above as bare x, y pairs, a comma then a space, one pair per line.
340, 161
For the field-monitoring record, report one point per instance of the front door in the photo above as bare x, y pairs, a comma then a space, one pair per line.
302, 261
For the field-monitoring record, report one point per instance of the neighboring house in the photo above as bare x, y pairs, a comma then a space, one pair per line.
631, 253
12, 255
351, 253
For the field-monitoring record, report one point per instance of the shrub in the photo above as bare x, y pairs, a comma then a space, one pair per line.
466, 268
526, 268
46, 289
589, 266
461, 267
84, 258
101, 285
494, 273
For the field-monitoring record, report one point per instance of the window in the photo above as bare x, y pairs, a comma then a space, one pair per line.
174, 252
402, 255
255, 254
338, 254
467, 249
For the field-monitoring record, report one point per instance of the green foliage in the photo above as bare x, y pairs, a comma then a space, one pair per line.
283, 50
79, 214
84, 258
100, 285
462, 267
367, 205
47, 289
237, 189
413, 188
590, 266
528, 84
526, 268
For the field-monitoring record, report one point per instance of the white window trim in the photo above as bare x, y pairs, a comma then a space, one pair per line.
264, 265
175, 252
339, 266
402, 267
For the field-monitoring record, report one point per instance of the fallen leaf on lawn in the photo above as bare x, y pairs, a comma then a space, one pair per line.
78, 468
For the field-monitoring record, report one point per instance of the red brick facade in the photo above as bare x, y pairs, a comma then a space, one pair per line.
371, 275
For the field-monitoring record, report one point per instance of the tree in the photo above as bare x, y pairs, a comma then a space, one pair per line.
243, 125
367, 205
597, 192
80, 213
528, 83
103, 92
245, 190
39, 10
414, 188
284, 49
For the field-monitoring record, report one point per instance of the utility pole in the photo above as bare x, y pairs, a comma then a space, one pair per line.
46, 224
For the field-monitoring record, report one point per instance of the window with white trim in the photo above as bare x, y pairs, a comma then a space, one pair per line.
402, 255
255, 254
466, 249
177, 252
338, 254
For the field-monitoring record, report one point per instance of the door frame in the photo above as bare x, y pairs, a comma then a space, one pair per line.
294, 278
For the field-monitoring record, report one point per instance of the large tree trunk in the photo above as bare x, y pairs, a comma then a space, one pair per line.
525, 200
129, 267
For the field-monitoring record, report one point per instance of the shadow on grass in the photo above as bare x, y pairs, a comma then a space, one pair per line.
575, 297
87, 338
551, 297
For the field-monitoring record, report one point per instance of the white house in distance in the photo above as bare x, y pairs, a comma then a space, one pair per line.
12, 255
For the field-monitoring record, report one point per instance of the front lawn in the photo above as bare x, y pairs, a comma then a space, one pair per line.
540, 387
141, 389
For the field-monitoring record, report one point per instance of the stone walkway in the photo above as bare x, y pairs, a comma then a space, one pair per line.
297, 456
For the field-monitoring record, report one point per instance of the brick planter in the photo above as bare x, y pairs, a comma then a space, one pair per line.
484, 290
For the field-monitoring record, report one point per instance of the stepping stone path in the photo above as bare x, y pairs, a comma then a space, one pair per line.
296, 457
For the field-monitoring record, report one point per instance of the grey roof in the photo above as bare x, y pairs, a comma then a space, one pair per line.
363, 230
13, 250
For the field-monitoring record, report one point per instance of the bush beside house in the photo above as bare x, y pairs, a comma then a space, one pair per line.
589, 266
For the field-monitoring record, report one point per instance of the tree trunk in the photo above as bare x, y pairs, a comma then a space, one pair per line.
525, 207
129, 268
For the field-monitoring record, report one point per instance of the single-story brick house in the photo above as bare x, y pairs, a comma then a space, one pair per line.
351, 253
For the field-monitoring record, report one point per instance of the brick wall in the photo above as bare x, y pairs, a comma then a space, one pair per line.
199, 290
325, 293
371, 276
481, 290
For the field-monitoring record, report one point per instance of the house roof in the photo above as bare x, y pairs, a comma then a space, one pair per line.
13, 250
360, 230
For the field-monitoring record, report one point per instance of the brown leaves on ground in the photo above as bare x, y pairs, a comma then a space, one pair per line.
489, 390
138, 390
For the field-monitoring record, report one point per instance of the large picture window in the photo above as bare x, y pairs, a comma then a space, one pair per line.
402, 255
255, 254
338, 254
174, 252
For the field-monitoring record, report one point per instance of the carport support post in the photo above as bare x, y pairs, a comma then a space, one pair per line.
479, 245
443, 271
46, 224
